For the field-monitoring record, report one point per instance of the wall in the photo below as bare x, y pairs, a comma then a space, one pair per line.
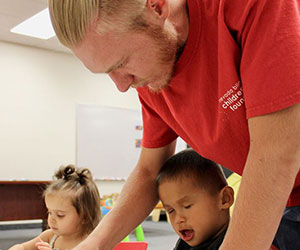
38, 96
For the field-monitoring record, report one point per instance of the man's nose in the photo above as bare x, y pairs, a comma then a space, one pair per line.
123, 81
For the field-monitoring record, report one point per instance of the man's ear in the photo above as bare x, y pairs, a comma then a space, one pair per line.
160, 8
226, 197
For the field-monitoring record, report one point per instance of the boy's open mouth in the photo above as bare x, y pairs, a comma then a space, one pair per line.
187, 234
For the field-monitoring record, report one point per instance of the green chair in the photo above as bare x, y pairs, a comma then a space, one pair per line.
139, 234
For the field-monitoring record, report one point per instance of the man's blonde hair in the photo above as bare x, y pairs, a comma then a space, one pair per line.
71, 19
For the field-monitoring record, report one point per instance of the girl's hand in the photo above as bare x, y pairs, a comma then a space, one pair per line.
41, 245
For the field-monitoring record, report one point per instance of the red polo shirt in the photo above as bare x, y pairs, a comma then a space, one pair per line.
241, 60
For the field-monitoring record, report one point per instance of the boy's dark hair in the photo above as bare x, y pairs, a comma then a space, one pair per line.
84, 194
187, 163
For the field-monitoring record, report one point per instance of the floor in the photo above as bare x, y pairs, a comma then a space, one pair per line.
159, 235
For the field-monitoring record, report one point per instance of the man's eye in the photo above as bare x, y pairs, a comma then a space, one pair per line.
60, 216
188, 206
122, 64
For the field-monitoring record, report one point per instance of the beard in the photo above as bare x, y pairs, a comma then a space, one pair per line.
169, 49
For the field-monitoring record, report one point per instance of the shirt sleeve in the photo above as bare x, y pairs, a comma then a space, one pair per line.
269, 35
156, 132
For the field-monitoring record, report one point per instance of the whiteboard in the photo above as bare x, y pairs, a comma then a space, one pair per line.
108, 140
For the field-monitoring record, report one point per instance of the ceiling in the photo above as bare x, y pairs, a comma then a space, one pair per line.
13, 12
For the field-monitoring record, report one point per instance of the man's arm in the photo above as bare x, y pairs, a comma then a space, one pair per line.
272, 165
136, 201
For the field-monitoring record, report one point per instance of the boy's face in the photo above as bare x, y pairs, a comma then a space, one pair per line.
63, 218
195, 214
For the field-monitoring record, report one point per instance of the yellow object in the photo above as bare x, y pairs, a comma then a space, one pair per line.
234, 181
157, 211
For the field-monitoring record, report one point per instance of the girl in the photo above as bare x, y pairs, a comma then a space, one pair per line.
73, 204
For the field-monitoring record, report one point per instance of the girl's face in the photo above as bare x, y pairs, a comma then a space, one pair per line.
63, 218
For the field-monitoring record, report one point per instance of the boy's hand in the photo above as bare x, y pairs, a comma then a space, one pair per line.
41, 245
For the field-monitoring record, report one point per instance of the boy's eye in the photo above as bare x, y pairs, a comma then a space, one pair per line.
170, 211
60, 215
188, 206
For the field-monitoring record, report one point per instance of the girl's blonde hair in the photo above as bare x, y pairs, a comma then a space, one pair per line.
71, 19
83, 191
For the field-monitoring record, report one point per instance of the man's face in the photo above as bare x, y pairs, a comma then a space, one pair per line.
131, 59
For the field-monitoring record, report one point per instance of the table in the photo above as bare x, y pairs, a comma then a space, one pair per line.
23, 200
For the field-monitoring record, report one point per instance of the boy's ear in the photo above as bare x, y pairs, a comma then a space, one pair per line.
227, 197
160, 8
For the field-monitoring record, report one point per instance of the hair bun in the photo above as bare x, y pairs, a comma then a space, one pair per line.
65, 172
83, 175
68, 172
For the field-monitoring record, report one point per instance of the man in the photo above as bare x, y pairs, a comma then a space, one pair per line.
223, 75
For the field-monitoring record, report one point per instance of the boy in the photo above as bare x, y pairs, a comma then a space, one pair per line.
195, 194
